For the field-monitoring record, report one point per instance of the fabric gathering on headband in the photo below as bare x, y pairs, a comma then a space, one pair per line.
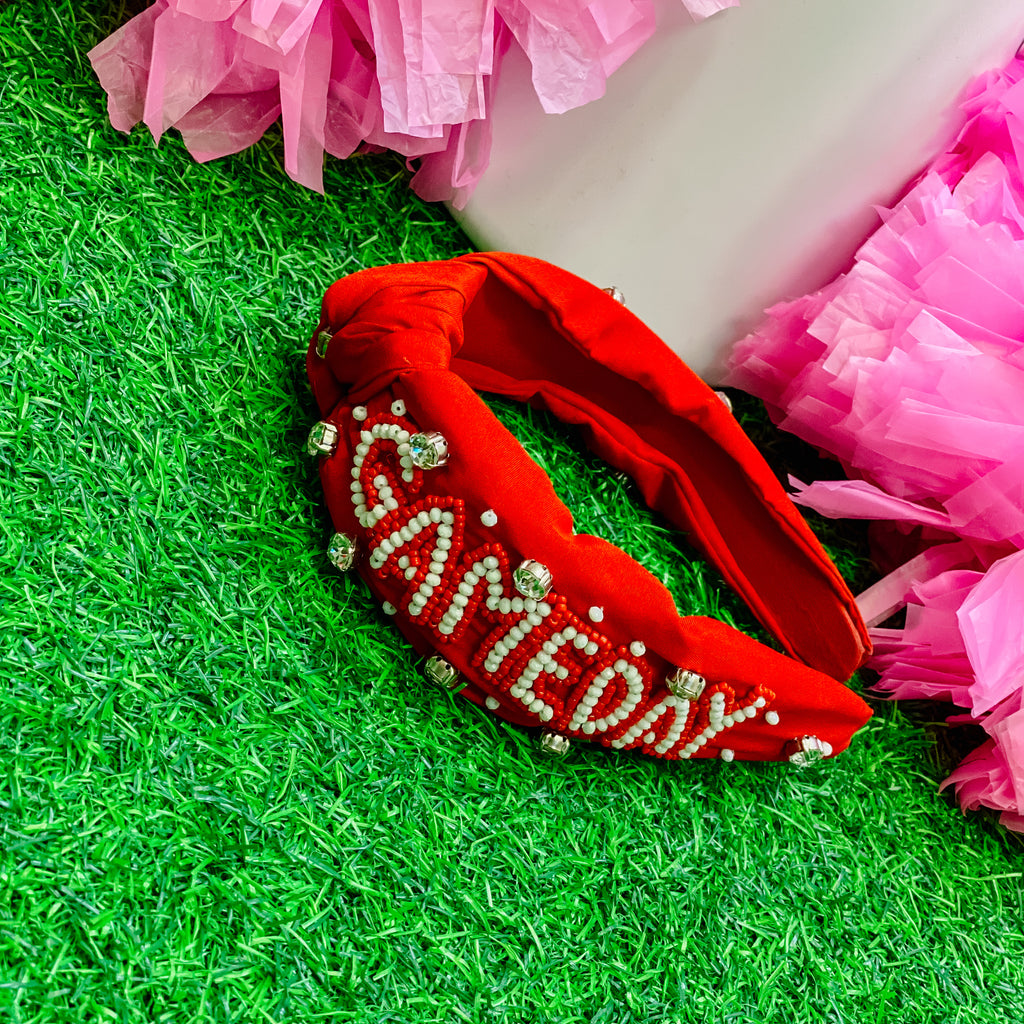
461, 537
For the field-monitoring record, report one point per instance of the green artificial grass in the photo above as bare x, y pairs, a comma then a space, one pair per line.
226, 791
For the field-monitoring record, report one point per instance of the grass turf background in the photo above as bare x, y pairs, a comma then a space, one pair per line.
226, 794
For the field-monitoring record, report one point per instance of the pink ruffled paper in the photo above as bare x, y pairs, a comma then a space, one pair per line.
414, 76
910, 369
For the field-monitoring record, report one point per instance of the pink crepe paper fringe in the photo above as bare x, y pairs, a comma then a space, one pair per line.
413, 76
910, 369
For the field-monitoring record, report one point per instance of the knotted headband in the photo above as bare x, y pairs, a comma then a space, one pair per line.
461, 537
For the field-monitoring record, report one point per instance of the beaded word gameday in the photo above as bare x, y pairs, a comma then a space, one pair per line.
536, 654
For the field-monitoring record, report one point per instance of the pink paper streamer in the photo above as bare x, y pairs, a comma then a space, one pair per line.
414, 76
910, 369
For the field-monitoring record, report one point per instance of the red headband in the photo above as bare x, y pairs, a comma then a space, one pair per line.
462, 538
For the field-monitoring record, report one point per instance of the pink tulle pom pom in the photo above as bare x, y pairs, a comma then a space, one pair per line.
910, 369
414, 77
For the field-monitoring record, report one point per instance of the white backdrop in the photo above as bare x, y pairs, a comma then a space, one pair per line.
734, 163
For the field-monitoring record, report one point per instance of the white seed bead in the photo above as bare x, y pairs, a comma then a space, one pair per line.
490, 562
398, 407
492, 704
591, 648
388, 608
727, 754
359, 412
596, 613
772, 717
589, 727
750, 712
546, 714
580, 641
637, 649
489, 518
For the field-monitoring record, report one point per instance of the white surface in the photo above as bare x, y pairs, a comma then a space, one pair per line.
734, 163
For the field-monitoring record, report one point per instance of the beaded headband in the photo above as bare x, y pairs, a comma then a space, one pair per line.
461, 537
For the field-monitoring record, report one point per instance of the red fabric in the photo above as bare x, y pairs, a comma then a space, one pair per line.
428, 334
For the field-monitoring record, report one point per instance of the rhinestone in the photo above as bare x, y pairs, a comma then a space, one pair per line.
686, 684
322, 440
428, 451
341, 551
615, 294
440, 673
323, 339
804, 750
553, 744
532, 579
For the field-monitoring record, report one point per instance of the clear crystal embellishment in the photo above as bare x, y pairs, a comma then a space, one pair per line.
429, 450
341, 551
533, 579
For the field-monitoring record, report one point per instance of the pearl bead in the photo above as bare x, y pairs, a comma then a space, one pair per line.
489, 518
726, 754
637, 649
492, 703
596, 613
398, 407
388, 608
772, 717
359, 412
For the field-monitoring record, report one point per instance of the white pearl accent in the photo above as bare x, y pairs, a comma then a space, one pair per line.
388, 608
771, 717
492, 703
595, 613
727, 754
398, 407
489, 518
637, 649
359, 413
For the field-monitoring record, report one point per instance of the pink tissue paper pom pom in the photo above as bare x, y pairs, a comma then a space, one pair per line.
413, 77
909, 368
